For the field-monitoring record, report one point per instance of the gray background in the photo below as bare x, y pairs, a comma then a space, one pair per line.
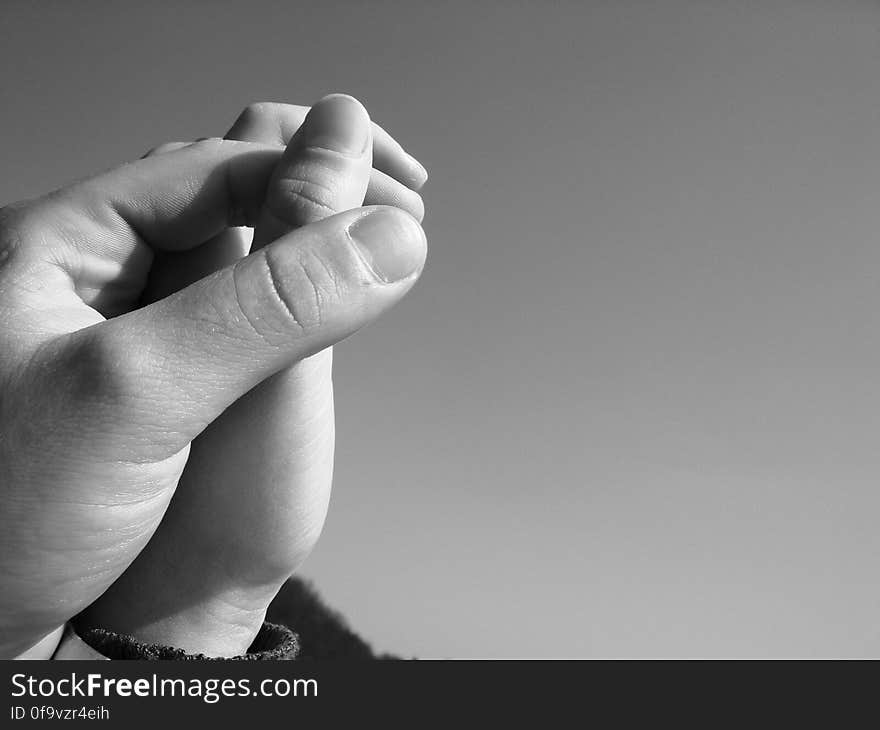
632, 409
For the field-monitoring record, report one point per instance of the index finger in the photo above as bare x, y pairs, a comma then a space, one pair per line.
170, 202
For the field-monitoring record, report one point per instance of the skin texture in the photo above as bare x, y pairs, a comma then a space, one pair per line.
211, 574
107, 384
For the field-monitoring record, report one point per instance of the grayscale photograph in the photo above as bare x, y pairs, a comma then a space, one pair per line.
494, 330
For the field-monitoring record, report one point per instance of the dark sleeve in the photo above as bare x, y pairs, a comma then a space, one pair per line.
272, 642
324, 633
299, 626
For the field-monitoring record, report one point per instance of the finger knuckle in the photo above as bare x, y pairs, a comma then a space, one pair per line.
305, 287
208, 145
298, 200
163, 148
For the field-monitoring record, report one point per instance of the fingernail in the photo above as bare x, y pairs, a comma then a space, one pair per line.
390, 242
419, 173
339, 123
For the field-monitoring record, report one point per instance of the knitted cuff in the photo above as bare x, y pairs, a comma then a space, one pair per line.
273, 642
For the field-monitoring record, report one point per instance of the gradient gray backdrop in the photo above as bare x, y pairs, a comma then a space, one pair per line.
633, 407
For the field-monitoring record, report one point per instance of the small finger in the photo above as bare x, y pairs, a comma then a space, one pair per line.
385, 190
275, 123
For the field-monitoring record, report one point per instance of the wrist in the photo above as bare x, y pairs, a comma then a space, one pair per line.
180, 602
215, 627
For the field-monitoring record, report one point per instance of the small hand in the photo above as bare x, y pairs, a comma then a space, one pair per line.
101, 398
254, 495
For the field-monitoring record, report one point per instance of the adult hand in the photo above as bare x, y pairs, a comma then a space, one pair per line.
254, 494
101, 398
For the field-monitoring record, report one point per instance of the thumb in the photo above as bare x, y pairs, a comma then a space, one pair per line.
156, 377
